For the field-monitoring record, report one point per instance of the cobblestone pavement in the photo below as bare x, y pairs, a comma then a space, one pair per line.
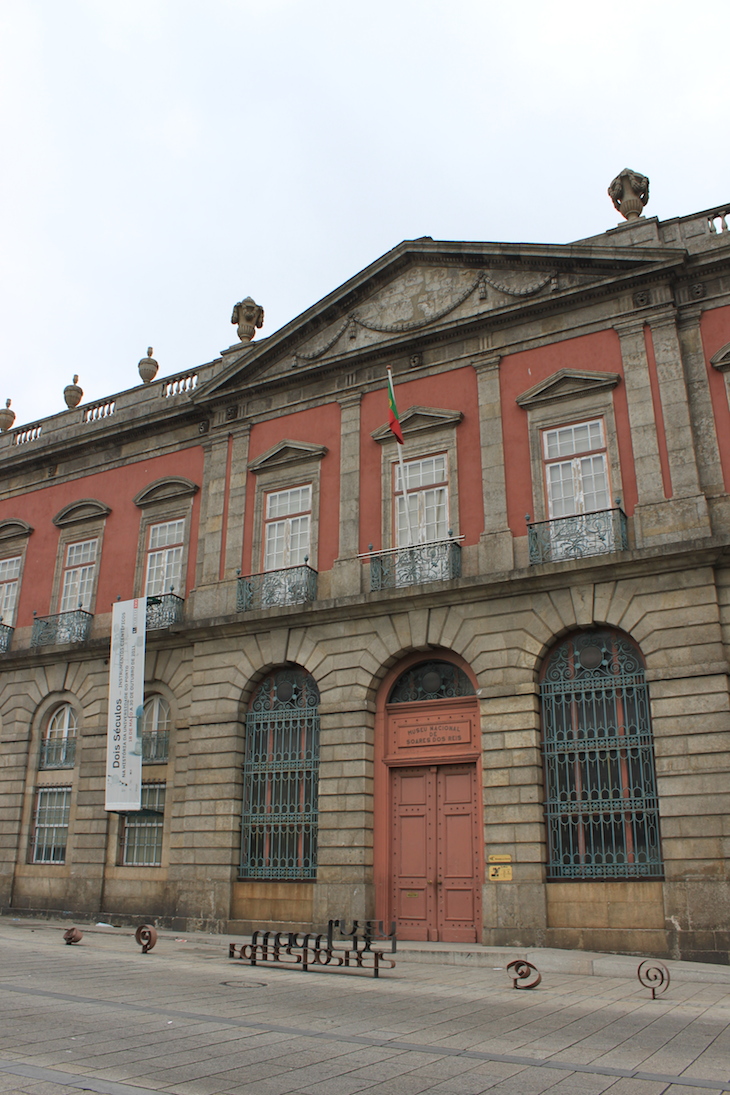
101, 1016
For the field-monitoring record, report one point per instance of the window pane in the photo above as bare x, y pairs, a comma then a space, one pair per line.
83, 552
50, 828
287, 540
570, 440
142, 832
164, 571
171, 532
156, 723
78, 586
284, 502
9, 574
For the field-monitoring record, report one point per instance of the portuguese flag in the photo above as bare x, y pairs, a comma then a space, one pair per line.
393, 418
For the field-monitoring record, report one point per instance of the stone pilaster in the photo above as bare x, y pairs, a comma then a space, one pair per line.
647, 465
700, 403
236, 503
210, 532
496, 551
346, 570
674, 397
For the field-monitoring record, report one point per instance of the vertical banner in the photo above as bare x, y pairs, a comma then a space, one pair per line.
126, 706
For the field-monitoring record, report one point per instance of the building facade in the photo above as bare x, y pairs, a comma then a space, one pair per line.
479, 686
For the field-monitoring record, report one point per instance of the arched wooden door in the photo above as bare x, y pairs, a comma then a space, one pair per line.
429, 838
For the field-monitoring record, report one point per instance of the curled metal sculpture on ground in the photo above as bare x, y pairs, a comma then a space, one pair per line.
523, 971
146, 936
653, 975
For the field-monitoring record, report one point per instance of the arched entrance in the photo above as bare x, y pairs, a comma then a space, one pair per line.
428, 838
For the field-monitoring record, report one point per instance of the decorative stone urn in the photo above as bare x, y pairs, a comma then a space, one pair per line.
73, 394
148, 367
7, 417
629, 192
248, 315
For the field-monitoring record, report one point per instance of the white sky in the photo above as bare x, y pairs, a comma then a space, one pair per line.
163, 159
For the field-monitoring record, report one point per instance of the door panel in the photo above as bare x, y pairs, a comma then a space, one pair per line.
435, 853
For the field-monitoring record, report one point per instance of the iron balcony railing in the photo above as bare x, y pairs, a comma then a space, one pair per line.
437, 561
6, 634
64, 627
578, 536
164, 610
155, 746
58, 753
277, 588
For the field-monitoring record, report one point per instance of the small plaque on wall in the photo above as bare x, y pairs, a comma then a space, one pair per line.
500, 868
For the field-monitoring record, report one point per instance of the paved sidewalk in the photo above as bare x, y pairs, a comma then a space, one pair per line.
101, 1016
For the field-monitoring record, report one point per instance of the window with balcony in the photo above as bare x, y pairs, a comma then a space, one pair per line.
58, 745
164, 558
141, 831
49, 833
9, 584
77, 580
156, 723
287, 524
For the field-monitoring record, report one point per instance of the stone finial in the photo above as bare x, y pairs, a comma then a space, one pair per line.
7, 417
248, 315
73, 394
629, 192
148, 367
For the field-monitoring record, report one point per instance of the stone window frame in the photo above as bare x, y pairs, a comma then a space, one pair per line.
553, 404
288, 464
14, 535
156, 772
428, 431
37, 778
168, 499
82, 520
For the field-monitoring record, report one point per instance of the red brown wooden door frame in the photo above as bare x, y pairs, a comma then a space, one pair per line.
431, 734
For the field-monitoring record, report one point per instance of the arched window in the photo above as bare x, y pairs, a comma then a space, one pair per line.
601, 800
58, 747
156, 724
280, 772
431, 681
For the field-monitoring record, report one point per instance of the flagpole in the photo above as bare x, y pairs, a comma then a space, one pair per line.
404, 480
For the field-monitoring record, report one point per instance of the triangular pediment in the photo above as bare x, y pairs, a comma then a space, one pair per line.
721, 360
285, 454
421, 289
567, 384
419, 420
85, 509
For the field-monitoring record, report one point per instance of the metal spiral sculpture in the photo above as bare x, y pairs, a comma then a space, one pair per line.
653, 975
146, 936
524, 971
73, 935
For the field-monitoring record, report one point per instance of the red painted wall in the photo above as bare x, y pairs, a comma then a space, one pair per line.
116, 488
319, 426
600, 352
453, 391
715, 330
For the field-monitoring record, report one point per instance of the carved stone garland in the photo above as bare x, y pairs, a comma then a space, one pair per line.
482, 280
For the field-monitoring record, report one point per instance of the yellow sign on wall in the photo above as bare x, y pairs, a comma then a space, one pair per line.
498, 871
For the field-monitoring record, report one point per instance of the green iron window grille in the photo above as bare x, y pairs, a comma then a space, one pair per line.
602, 808
431, 681
280, 773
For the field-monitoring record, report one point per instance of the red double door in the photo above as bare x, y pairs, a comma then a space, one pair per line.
435, 852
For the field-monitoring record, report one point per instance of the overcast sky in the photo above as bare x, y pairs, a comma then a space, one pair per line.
163, 159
